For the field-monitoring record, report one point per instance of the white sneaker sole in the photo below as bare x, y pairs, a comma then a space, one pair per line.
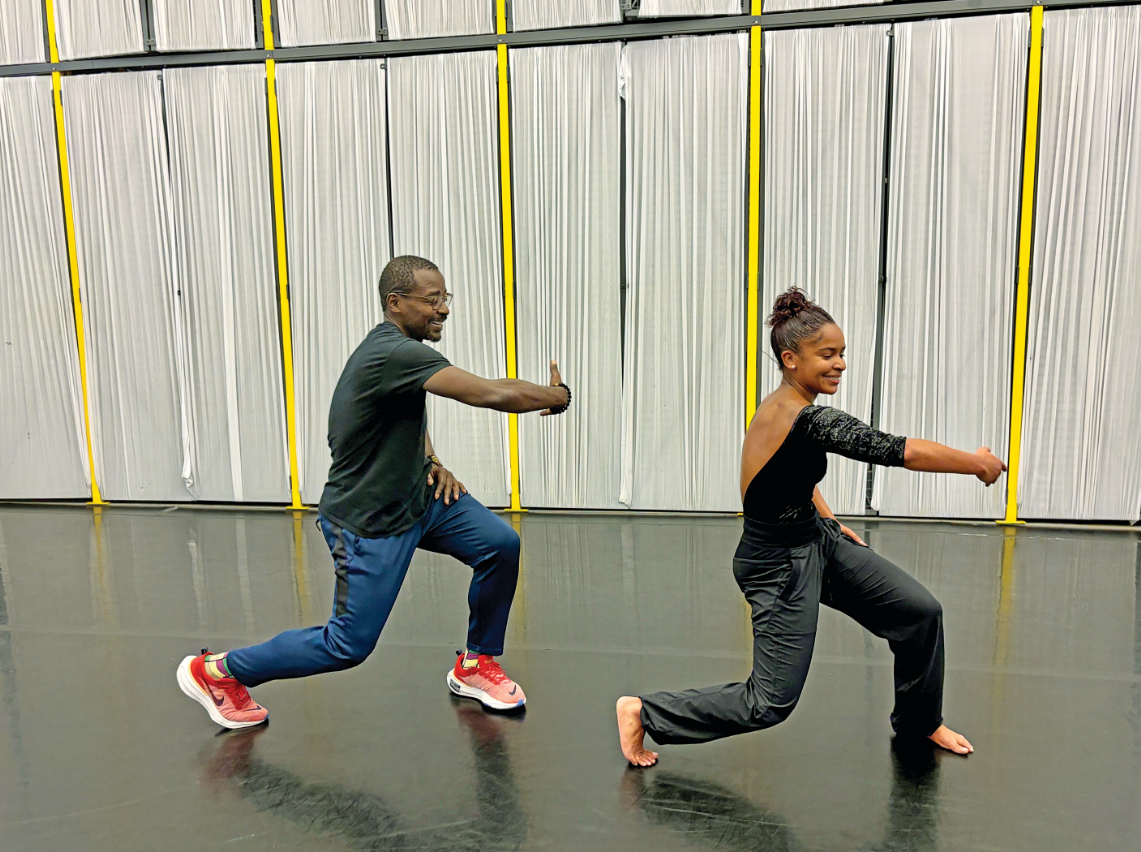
465, 691
189, 685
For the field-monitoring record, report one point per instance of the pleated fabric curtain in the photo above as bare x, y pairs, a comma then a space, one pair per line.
43, 450
445, 207
567, 152
203, 24
550, 14
120, 186
683, 385
306, 22
825, 102
223, 220
1080, 454
334, 162
953, 225
438, 18
798, 5
22, 32
687, 8
98, 28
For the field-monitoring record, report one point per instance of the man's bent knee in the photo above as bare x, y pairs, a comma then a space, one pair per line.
345, 652
502, 544
507, 544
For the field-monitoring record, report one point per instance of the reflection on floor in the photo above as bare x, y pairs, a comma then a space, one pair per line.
99, 750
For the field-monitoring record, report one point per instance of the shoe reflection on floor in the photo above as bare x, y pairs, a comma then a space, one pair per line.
708, 813
364, 821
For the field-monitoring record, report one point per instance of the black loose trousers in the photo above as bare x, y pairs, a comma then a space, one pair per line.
785, 573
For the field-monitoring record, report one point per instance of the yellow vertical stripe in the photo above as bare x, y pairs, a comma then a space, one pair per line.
49, 21
1022, 311
267, 24
508, 248
282, 269
72, 256
752, 327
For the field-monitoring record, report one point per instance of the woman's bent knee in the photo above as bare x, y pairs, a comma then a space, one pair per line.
765, 712
931, 609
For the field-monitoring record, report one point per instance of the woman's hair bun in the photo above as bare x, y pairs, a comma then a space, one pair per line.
788, 304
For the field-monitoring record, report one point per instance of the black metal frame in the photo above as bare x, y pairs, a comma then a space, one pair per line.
629, 31
148, 22
881, 276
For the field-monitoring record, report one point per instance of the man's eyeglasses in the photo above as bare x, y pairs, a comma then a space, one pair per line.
436, 302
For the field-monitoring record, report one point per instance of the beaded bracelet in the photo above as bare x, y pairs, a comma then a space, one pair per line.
559, 409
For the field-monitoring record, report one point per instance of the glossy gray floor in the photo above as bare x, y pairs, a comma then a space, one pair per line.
100, 751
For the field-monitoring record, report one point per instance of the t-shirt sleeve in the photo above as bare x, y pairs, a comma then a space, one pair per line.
409, 365
839, 432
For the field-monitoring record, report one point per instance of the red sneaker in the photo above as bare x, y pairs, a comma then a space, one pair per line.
227, 701
487, 683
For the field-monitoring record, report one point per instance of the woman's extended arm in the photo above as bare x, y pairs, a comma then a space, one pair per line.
838, 432
929, 456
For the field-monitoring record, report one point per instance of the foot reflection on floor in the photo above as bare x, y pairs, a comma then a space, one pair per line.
708, 813
366, 821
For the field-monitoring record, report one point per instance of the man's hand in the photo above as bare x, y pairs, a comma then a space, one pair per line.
847, 533
446, 484
556, 380
992, 466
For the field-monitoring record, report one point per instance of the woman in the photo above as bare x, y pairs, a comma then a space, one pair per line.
794, 555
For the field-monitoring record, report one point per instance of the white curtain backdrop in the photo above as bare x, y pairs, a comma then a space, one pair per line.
445, 203
825, 104
98, 28
43, 451
798, 5
953, 222
567, 152
685, 8
203, 24
120, 186
223, 217
335, 171
549, 14
437, 18
1080, 454
303, 22
22, 32
683, 386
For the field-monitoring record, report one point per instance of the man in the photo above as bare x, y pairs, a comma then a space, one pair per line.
387, 495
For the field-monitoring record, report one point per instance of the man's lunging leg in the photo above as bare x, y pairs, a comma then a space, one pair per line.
369, 574
474, 535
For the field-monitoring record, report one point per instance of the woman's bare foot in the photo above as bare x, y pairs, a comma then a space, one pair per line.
631, 733
944, 737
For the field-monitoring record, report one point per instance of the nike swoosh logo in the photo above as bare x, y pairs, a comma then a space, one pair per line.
218, 701
512, 692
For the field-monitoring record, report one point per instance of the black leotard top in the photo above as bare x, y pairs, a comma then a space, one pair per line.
781, 492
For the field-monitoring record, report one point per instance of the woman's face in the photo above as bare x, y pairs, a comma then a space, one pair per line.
818, 365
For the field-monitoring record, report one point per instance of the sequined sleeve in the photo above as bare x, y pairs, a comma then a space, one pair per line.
837, 432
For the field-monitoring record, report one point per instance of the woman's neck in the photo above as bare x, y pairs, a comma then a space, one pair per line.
799, 390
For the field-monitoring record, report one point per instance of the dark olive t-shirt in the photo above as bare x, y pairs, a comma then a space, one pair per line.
378, 482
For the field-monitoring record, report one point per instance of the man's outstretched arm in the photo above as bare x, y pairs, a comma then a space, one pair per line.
511, 395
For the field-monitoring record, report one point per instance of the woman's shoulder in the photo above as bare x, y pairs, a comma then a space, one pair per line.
778, 413
824, 422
